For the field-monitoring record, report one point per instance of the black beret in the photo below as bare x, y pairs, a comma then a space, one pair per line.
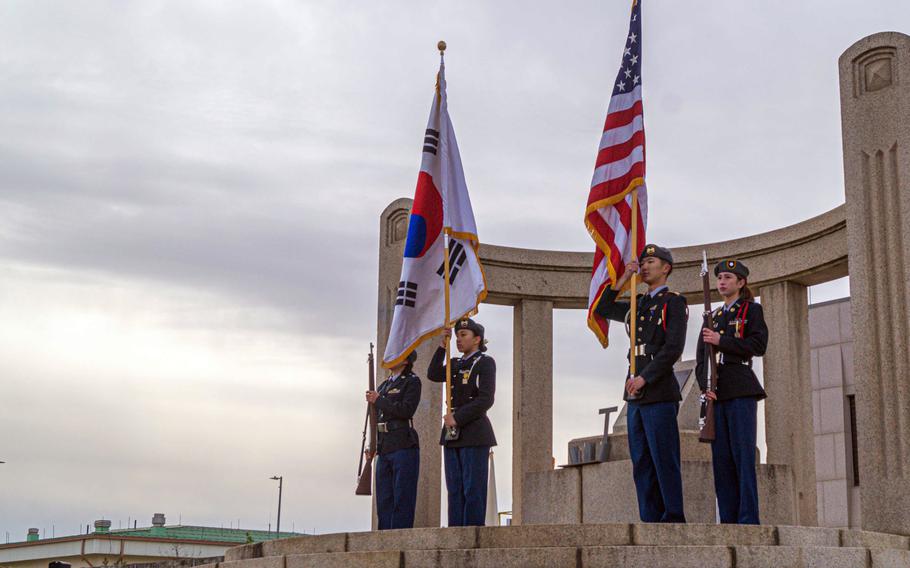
656, 252
732, 266
412, 356
470, 325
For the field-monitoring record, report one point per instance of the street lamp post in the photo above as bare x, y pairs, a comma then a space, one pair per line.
280, 480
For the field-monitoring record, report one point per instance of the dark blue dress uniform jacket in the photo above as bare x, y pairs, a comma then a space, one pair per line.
396, 406
663, 341
473, 390
735, 376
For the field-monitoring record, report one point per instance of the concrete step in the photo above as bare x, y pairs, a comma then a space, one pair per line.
645, 556
566, 536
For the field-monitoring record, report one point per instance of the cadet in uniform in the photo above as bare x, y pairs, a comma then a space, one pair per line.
653, 395
467, 457
739, 334
398, 466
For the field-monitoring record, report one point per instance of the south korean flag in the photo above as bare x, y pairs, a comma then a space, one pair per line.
441, 208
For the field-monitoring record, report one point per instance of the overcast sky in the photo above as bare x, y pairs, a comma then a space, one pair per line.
189, 201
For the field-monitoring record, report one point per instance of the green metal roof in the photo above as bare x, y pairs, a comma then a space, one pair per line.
182, 532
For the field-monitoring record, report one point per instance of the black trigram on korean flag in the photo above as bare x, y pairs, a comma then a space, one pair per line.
407, 294
431, 141
457, 256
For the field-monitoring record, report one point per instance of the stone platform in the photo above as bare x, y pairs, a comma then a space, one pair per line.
582, 546
605, 493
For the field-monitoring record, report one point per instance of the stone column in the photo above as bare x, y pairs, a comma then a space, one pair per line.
532, 398
787, 380
428, 420
875, 113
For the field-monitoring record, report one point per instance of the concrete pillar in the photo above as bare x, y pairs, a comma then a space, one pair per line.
787, 380
875, 114
532, 398
428, 420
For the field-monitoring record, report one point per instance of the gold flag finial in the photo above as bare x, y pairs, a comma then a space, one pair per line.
442, 46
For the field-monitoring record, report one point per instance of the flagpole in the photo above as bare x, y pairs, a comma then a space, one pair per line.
633, 307
448, 325
445, 263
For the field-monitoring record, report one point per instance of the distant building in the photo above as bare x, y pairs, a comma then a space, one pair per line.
106, 547
837, 463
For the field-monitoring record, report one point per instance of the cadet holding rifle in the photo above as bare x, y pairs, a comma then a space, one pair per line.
653, 393
739, 333
398, 466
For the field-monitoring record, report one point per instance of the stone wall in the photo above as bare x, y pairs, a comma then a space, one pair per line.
831, 358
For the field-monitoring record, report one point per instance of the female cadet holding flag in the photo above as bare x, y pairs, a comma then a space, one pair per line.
739, 334
467, 454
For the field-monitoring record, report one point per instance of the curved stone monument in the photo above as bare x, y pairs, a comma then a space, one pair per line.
869, 234
875, 113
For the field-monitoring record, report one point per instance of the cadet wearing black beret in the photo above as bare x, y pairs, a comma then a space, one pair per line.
739, 334
733, 267
475, 328
652, 409
398, 447
657, 252
467, 457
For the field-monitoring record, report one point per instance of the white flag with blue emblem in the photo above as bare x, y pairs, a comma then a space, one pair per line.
441, 207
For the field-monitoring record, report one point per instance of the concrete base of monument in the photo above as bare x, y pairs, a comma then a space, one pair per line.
605, 493
582, 546
689, 447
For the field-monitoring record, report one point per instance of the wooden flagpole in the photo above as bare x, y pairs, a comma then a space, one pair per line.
445, 263
448, 325
633, 306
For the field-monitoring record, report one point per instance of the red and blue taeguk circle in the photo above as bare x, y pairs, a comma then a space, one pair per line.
426, 218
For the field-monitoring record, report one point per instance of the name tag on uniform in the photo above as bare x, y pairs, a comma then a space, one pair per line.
394, 391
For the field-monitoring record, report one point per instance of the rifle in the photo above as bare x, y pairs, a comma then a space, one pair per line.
365, 472
706, 417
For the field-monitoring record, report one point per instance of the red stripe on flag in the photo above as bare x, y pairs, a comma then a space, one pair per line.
598, 256
616, 186
623, 117
606, 233
625, 214
602, 323
620, 151
625, 217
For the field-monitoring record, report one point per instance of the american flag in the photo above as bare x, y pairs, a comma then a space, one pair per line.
619, 170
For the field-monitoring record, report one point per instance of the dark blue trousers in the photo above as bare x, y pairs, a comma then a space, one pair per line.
466, 480
396, 488
654, 447
733, 453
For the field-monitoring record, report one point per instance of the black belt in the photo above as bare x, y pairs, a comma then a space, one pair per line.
744, 363
392, 425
